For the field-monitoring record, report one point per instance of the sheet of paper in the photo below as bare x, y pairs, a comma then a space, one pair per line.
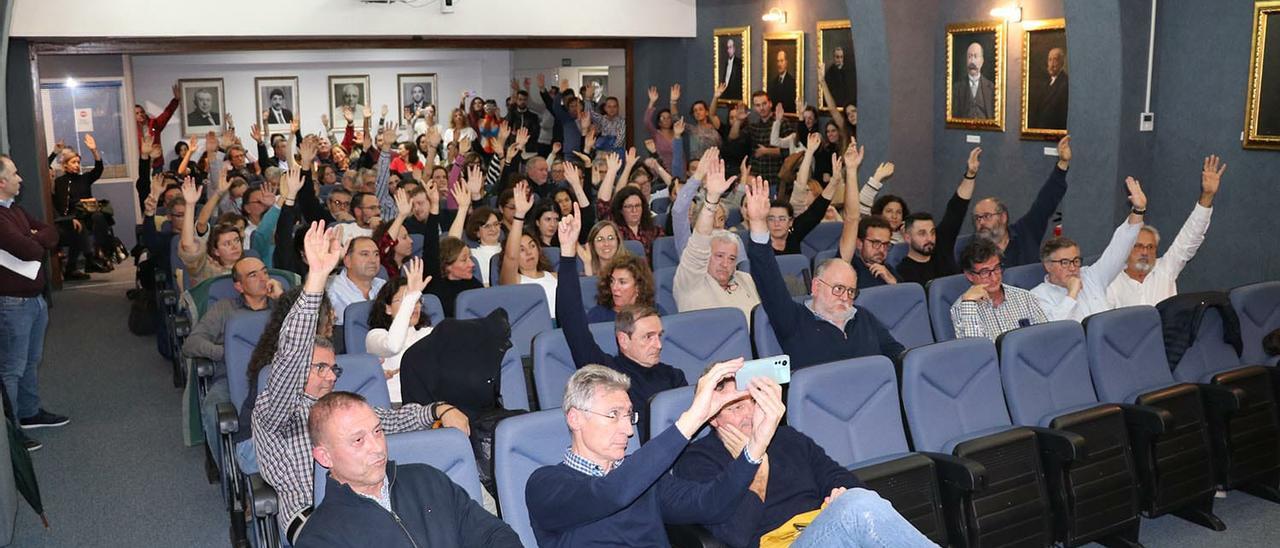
84, 120
28, 269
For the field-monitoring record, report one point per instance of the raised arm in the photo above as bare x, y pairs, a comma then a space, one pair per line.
684, 200
187, 244
948, 229
211, 204
463, 196
1191, 235
569, 310
1055, 187
1116, 255
770, 285
387, 203
849, 233
510, 274
390, 342
605, 193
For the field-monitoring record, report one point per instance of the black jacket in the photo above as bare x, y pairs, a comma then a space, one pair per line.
70, 188
429, 510
1181, 315
433, 368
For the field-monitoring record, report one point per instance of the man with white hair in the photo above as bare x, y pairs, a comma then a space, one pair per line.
708, 275
1145, 279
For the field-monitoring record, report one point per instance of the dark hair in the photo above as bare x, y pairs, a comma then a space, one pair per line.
658, 115
1055, 243
646, 220
625, 321
357, 198
450, 249
477, 218
522, 93
758, 93
979, 250
544, 264
556, 194
178, 146
508, 195
340, 190
791, 211
265, 350
540, 208
914, 217
878, 207
351, 245
710, 112
378, 317
872, 221
216, 233
638, 268
235, 274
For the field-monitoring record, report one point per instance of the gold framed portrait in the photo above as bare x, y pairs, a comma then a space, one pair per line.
783, 68
836, 63
1044, 79
975, 75
732, 55
1262, 107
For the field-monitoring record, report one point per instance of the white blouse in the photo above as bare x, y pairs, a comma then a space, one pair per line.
390, 344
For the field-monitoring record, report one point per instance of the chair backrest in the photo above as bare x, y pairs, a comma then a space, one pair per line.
1211, 354
177, 268
1258, 306
362, 374
823, 237
733, 218
850, 408
220, 288
952, 389
1026, 276
1045, 371
355, 326
553, 362
664, 253
552, 254
523, 444
433, 308
511, 384
1126, 353
495, 269
445, 449
961, 242
797, 266
902, 310
242, 332
526, 306
587, 285
822, 256
476, 269
664, 295
666, 406
763, 338
634, 247
419, 241
896, 253
942, 293
692, 340
660, 205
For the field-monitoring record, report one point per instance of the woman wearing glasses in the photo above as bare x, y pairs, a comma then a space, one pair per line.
482, 226
522, 260
604, 243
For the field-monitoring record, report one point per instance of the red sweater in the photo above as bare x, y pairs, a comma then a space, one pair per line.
27, 239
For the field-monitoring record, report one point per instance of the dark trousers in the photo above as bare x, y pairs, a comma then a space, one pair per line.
95, 230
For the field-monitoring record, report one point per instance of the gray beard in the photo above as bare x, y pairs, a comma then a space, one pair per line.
1143, 266
995, 233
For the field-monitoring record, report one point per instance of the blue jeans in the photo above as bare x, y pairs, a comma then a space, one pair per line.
861, 518
22, 325
218, 393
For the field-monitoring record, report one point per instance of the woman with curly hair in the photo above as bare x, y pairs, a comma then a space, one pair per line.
624, 281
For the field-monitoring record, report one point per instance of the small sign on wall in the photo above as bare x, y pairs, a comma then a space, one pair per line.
84, 120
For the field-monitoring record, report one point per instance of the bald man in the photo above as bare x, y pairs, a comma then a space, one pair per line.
974, 95
1051, 109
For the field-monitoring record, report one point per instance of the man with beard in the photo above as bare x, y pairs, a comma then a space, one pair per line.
931, 251
1020, 242
974, 96
1148, 281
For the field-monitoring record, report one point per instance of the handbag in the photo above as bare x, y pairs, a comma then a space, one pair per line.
86, 207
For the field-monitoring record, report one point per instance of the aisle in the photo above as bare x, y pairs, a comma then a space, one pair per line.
118, 474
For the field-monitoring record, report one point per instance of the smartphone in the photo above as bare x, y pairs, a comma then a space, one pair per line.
777, 368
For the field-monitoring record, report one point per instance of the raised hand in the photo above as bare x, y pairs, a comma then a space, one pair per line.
767, 394
542, 81
522, 138
149, 206
573, 175
403, 207
744, 170
884, 171
778, 111
570, 227
589, 139
460, 192
475, 181
741, 114
720, 89
653, 95
413, 276
757, 204
433, 193
177, 91
523, 201
210, 143
1211, 175
434, 138
975, 163
324, 121
675, 92
504, 132
612, 162
291, 182
526, 84
307, 150
382, 112
707, 401
348, 115
90, 142
555, 149
295, 125
1064, 152
323, 250
388, 135
224, 183
1136, 196
813, 142
853, 155
715, 180
255, 132
678, 128
632, 157
190, 192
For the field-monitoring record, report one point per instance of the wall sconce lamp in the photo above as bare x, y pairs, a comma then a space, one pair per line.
775, 15
1012, 14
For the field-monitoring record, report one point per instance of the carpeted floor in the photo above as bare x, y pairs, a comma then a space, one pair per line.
119, 474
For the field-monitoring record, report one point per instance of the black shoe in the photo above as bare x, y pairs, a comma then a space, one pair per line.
98, 267
43, 419
75, 276
32, 445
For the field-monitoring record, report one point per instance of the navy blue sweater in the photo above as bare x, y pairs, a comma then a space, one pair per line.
629, 505
1026, 233
866, 278
808, 339
645, 381
430, 510
800, 476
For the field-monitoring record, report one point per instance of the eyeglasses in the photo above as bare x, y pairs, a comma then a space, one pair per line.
980, 217
1066, 263
839, 290
492, 225
633, 416
987, 272
609, 238
1145, 247
878, 244
322, 367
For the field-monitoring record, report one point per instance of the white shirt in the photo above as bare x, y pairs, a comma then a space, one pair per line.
1162, 282
390, 344
1096, 277
548, 283
351, 231
973, 85
342, 292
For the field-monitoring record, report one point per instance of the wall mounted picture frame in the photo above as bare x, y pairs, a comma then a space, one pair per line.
836, 63
416, 92
203, 105
348, 90
277, 102
1262, 107
1044, 79
975, 75
783, 68
597, 76
731, 49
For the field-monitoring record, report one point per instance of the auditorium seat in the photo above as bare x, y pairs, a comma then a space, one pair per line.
664, 293
1258, 306
587, 286
635, 248
902, 309
355, 326
667, 406
822, 256
526, 306
1026, 276
693, 340
512, 387
763, 339
664, 253
942, 293
553, 363
824, 236
896, 253
445, 449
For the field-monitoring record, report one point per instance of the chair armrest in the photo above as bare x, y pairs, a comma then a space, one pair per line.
692, 536
228, 419
265, 503
204, 368
1146, 419
1062, 445
1222, 399
965, 474
168, 297
181, 325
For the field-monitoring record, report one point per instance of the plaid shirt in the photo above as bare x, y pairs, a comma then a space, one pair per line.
761, 134
280, 414
981, 319
581, 464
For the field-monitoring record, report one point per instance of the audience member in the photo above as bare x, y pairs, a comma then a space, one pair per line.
873, 242
659, 123
766, 160
394, 244
358, 280
1074, 292
75, 224
604, 244
1019, 243
786, 229
595, 497
990, 307
893, 208
1271, 343
302, 371
1147, 280
827, 327
394, 325
523, 261
213, 255
930, 248
708, 276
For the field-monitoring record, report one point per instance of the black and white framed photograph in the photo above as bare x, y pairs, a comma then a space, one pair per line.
1262, 112
975, 75
416, 92
277, 98
1044, 79
836, 63
598, 77
348, 91
732, 56
783, 68
203, 105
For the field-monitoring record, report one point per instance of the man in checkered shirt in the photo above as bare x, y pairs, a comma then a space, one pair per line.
990, 307
302, 371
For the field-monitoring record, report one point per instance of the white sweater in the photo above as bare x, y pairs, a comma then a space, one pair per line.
390, 344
